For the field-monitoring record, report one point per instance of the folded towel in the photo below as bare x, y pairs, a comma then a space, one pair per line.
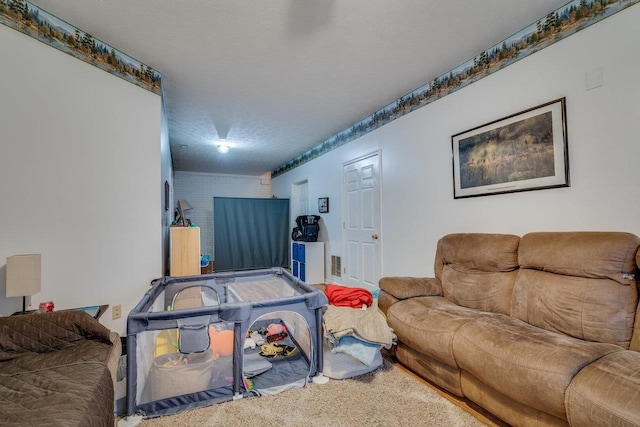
368, 325
361, 350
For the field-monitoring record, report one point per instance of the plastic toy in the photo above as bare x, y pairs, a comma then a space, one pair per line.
221, 342
275, 350
276, 332
249, 343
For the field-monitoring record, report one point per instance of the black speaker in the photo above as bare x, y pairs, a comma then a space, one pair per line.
306, 229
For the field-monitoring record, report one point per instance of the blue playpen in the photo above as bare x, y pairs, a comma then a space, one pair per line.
199, 340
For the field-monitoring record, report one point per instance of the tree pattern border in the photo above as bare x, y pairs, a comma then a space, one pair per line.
47, 28
555, 26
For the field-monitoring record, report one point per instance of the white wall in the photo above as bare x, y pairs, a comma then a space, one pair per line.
80, 161
417, 191
166, 171
199, 189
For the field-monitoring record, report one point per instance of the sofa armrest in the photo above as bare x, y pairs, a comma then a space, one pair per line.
410, 287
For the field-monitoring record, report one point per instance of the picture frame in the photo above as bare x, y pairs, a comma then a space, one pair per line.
323, 205
166, 195
521, 152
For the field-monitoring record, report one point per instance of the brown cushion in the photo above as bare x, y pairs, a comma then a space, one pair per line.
507, 409
428, 325
591, 309
600, 255
479, 290
530, 365
67, 387
385, 301
606, 392
478, 270
439, 373
578, 283
48, 332
409, 287
480, 251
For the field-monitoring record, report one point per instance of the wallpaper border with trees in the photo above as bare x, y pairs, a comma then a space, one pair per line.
45, 27
555, 26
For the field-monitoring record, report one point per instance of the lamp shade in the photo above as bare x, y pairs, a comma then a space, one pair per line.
184, 205
23, 275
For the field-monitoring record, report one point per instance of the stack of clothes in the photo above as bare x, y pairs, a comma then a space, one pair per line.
354, 330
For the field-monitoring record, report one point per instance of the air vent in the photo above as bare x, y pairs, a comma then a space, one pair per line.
336, 266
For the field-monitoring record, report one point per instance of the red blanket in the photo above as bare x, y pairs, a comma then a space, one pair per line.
348, 297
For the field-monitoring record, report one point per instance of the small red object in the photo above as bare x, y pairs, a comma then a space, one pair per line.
46, 307
276, 332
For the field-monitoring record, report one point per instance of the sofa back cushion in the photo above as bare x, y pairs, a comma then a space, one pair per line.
478, 270
48, 332
578, 283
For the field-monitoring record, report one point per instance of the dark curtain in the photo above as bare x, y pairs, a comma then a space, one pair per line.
250, 233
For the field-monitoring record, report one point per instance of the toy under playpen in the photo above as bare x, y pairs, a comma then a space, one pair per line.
193, 341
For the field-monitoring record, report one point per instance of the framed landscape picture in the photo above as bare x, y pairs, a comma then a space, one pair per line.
521, 152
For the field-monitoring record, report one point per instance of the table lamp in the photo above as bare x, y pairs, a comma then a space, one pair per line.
23, 276
183, 206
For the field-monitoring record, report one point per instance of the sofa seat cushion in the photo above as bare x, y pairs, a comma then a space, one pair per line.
532, 366
70, 387
606, 392
54, 370
428, 325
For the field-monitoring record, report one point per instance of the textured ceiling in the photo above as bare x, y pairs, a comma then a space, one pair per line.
279, 77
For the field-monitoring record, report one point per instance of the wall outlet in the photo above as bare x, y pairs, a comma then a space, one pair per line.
116, 312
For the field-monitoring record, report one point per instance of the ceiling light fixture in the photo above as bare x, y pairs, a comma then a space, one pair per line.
223, 148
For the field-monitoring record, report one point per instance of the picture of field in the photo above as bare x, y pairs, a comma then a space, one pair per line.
518, 151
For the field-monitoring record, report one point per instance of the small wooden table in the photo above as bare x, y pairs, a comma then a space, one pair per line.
94, 310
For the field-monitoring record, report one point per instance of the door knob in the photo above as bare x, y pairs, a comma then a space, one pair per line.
374, 237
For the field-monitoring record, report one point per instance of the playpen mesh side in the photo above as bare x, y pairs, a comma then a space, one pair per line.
167, 380
291, 366
163, 371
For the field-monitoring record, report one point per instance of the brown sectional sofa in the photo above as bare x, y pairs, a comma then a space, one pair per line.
540, 330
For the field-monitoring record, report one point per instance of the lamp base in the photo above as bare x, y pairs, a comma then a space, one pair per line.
24, 307
18, 313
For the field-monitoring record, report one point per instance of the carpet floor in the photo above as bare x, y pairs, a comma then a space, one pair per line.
385, 397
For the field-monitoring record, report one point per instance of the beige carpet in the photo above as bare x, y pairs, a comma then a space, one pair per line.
388, 396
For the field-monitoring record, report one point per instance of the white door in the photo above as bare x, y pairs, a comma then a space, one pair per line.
361, 221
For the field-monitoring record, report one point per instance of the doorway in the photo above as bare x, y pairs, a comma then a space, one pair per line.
299, 200
361, 221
